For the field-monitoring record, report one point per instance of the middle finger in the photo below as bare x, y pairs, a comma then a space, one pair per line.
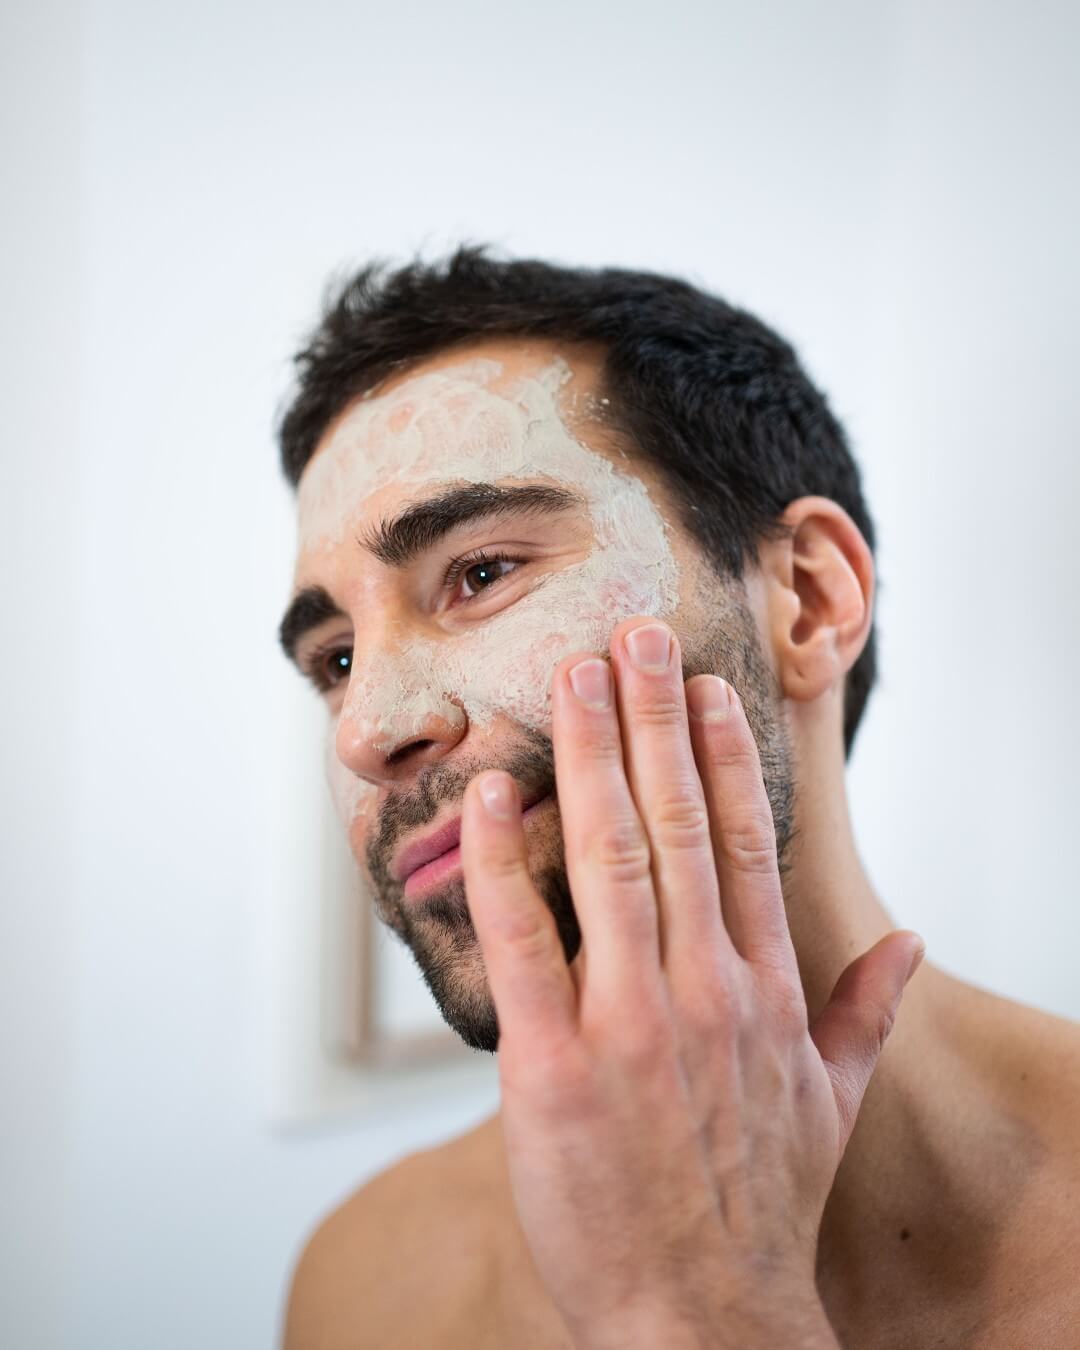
666, 786
606, 847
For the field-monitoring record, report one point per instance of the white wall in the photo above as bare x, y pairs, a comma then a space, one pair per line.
890, 184
39, 357
966, 786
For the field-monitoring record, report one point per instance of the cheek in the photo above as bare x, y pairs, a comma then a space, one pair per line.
620, 600
506, 667
505, 671
537, 670
626, 595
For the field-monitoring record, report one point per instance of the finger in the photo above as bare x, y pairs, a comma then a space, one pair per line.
526, 965
741, 824
607, 849
667, 790
851, 1030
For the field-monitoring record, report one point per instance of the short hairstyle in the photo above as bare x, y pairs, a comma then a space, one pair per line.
706, 393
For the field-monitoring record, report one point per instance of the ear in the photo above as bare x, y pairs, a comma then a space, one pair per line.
821, 596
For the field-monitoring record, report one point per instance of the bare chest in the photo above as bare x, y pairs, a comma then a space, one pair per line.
513, 1312
1028, 1296
534, 1325
510, 1309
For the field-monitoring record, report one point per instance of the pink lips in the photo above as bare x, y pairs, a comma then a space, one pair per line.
424, 851
434, 858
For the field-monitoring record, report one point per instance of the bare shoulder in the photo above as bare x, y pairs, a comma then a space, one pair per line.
411, 1246
1041, 1060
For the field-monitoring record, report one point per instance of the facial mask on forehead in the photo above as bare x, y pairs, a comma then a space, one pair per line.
449, 427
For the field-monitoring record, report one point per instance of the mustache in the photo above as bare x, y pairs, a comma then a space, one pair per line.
531, 764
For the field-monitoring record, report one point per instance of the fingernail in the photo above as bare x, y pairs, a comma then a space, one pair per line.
916, 960
709, 698
649, 647
591, 681
497, 794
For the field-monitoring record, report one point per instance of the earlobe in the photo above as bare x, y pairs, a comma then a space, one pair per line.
822, 622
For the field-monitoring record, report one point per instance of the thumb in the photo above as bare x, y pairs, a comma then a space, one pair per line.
851, 1030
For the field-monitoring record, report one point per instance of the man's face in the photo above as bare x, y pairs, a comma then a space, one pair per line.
471, 523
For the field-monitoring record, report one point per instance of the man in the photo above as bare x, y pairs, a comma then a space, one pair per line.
541, 512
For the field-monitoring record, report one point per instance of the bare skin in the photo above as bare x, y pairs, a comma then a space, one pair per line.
983, 1181
953, 1217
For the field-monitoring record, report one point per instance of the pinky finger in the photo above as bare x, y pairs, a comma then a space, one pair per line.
530, 982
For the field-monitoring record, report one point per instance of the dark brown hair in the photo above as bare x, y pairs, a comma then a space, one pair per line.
706, 393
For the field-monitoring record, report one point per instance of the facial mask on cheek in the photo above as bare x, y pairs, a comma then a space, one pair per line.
447, 427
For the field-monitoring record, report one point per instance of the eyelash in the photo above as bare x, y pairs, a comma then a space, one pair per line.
315, 663
477, 557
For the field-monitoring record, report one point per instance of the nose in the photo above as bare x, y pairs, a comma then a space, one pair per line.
393, 724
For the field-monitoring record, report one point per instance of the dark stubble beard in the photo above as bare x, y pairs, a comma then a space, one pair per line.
438, 929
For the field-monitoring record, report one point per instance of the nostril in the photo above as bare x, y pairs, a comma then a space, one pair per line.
404, 751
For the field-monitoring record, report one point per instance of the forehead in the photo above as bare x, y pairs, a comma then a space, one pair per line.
484, 413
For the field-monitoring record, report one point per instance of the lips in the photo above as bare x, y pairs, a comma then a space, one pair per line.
426, 850
443, 840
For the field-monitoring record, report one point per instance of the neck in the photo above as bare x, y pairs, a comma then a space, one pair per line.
921, 1191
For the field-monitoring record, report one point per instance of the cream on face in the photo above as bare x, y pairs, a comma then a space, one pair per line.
451, 426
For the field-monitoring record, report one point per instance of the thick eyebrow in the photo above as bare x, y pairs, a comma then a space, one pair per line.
307, 610
396, 541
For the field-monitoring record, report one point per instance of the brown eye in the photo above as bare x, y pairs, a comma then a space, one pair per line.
328, 669
482, 574
337, 664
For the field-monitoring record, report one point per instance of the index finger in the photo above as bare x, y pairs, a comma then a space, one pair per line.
527, 973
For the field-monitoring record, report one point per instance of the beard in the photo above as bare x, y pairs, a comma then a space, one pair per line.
438, 929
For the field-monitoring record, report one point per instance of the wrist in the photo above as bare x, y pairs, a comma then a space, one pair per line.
795, 1324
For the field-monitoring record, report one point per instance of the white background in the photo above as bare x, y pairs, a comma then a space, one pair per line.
892, 185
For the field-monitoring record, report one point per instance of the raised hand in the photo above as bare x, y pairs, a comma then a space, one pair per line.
673, 1126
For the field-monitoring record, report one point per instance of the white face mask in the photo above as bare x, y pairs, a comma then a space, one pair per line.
448, 427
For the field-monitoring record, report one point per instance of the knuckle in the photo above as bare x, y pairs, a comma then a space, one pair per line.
637, 1037
525, 932
789, 1003
710, 1011
639, 1042
599, 744
726, 749
749, 845
501, 866
659, 708
681, 819
886, 1022
552, 1072
620, 849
